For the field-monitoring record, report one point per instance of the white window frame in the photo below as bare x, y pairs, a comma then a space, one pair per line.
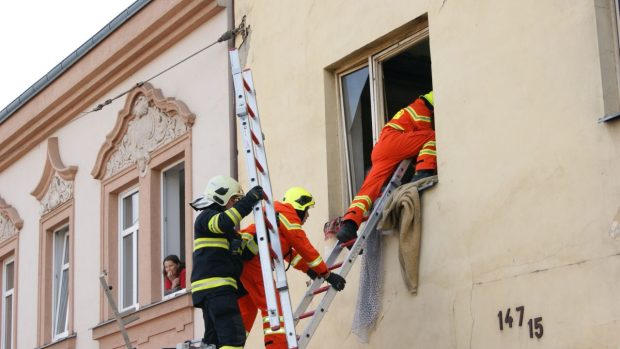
5, 294
132, 230
58, 287
163, 230
616, 33
377, 93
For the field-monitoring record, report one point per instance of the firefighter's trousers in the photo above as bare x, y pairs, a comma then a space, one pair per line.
252, 280
222, 319
393, 147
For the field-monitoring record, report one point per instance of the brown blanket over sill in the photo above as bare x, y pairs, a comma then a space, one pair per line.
402, 213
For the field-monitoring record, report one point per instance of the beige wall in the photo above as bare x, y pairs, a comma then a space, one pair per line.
528, 178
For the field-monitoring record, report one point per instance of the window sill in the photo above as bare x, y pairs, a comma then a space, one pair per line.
175, 312
175, 294
62, 343
609, 118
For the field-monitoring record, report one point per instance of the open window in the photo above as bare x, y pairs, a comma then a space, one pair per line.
374, 90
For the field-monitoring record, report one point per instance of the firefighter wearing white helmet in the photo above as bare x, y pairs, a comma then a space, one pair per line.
292, 213
217, 258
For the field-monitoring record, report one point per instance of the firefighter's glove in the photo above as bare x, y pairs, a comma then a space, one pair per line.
347, 232
336, 281
254, 195
236, 247
312, 274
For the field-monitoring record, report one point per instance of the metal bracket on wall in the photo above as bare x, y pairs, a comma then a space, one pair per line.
608, 118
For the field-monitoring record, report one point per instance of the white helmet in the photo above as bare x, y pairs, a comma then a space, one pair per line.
219, 190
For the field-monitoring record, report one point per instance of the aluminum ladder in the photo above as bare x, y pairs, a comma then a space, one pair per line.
265, 219
343, 267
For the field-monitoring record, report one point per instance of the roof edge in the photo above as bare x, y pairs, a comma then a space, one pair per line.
70, 60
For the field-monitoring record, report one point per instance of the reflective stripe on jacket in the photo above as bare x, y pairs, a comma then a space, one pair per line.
214, 264
416, 116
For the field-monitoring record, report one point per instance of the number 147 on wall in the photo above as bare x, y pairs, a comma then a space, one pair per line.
535, 324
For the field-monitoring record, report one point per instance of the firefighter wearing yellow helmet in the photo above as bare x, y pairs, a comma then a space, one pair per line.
292, 213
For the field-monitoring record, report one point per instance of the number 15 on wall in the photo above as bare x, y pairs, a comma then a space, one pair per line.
535, 324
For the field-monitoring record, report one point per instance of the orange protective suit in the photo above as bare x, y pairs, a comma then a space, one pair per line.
408, 134
297, 250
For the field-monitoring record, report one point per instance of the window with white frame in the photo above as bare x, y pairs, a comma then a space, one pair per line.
8, 303
128, 249
60, 290
173, 218
400, 73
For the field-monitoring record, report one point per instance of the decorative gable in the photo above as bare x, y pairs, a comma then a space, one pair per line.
147, 122
56, 184
10, 222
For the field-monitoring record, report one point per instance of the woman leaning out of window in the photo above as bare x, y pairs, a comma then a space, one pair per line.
174, 274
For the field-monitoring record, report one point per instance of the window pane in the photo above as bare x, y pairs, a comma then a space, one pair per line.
9, 276
130, 210
8, 321
66, 256
61, 318
358, 123
127, 270
173, 190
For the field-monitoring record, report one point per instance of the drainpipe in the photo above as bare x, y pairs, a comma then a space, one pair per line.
232, 121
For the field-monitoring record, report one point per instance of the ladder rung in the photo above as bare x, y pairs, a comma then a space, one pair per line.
335, 266
348, 243
320, 290
268, 224
251, 112
266, 198
306, 314
258, 166
245, 83
254, 138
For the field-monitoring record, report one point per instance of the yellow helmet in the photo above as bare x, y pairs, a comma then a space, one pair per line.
299, 198
429, 98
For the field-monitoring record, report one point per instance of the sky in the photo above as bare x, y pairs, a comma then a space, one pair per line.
36, 35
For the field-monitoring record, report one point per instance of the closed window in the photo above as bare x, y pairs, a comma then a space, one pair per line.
8, 303
128, 252
373, 91
61, 283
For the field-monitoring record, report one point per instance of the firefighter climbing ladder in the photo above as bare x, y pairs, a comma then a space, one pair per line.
266, 222
344, 267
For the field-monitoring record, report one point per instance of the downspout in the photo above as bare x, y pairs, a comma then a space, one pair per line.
232, 122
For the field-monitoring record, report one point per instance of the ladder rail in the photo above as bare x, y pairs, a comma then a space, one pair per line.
274, 239
264, 213
243, 115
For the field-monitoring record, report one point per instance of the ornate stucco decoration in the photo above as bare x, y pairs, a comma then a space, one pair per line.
10, 222
56, 184
147, 122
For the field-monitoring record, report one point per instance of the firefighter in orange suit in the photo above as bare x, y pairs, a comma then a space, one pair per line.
292, 213
408, 134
